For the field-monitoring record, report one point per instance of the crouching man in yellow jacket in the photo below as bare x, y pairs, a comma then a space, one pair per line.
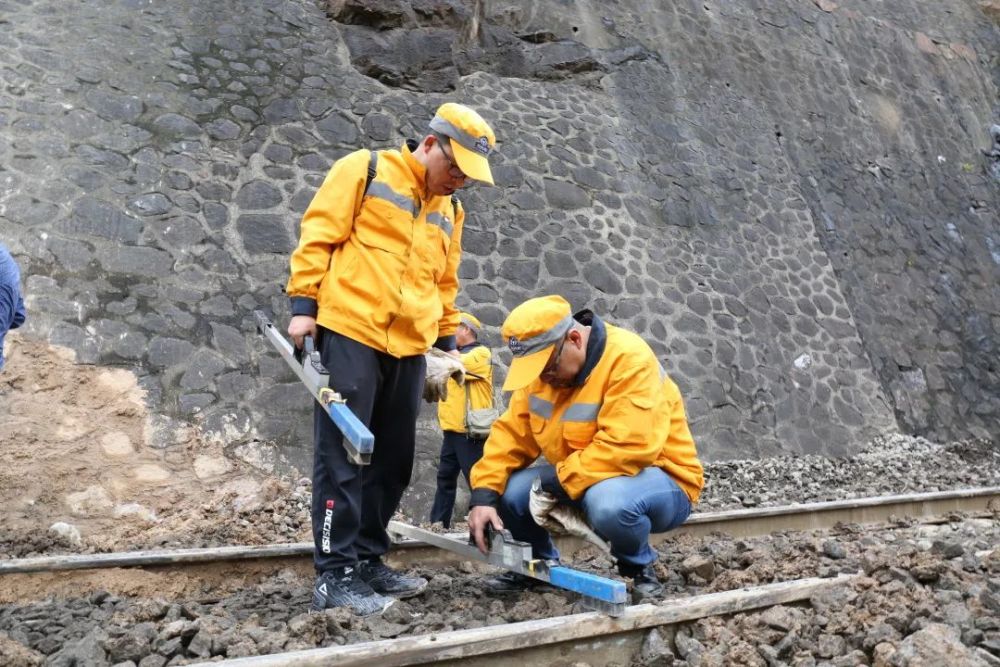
595, 402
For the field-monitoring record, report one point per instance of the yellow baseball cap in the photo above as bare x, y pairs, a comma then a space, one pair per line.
531, 331
472, 139
471, 321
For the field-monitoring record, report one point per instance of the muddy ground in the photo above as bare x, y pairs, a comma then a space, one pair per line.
929, 590
80, 449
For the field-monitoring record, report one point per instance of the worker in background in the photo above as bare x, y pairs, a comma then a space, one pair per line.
464, 434
374, 279
620, 460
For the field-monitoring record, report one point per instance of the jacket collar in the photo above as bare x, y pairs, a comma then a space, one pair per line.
471, 346
419, 170
595, 344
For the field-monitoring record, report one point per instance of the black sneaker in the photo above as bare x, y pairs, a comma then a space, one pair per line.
511, 582
645, 583
385, 580
342, 587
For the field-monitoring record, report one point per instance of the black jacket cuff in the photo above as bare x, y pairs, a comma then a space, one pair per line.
483, 496
303, 305
446, 343
550, 484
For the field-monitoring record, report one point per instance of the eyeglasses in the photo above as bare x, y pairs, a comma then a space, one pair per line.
551, 367
453, 169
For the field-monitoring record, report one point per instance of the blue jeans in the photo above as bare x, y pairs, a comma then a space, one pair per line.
623, 510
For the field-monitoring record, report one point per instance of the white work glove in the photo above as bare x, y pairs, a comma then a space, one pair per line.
555, 518
440, 367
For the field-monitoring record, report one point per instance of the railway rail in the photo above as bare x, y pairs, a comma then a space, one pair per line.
738, 523
560, 640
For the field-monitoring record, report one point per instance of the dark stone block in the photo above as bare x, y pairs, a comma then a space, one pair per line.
111, 106
218, 306
282, 110
699, 303
258, 195
527, 200
178, 180
216, 215
690, 323
201, 370
279, 153
560, 265
627, 308
99, 218
223, 129
176, 126
314, 162
481, 293
126, 260
378, 126
561, 194
602, 278
190, 404
521, 272
235, 386
169, 351
507, 176
153, 203
478, 242
180, 233
263, 233
338, 130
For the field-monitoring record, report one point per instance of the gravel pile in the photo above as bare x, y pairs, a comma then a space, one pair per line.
929, 593
891, 464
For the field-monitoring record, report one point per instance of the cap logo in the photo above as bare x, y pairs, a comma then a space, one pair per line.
516, 346
482, 146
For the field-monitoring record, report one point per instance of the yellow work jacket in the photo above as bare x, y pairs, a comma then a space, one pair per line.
382, 269
451, 412
627, 415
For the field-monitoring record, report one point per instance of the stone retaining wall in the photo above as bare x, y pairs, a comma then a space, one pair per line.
789, 200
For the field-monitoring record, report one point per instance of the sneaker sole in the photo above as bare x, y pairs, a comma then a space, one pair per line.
313, 609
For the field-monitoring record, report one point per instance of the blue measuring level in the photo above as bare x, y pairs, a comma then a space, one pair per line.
588, 584
353, 429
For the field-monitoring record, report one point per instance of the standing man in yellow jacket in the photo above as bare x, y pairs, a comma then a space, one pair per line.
374, 279
595, 402
460, 449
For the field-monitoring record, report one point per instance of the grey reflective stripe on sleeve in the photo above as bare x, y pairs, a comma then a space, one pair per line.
545, 339
663, 372
581, 412
541, 407
383, 191
468, 141
440, 221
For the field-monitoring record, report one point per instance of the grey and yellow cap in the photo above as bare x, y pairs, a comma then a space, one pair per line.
472, 139
531, 332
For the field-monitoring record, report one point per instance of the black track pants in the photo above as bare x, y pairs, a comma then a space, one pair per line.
352, 504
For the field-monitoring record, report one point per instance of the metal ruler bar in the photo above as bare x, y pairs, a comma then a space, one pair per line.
607, 594
358, 440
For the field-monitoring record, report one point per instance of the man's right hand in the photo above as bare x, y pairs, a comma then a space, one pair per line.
301, 326
479, 517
